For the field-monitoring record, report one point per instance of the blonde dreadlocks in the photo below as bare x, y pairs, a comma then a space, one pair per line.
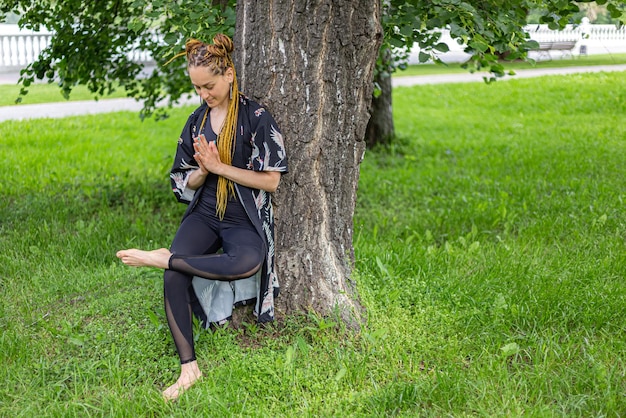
217, 59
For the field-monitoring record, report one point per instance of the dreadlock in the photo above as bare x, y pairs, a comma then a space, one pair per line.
217, 59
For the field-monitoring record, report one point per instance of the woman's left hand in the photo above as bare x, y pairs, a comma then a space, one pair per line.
208, 157
207, 154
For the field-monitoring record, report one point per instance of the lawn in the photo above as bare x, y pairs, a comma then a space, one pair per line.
490, 257
48, 93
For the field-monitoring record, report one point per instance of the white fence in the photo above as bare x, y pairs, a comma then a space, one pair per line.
596, 39
18, 48
590, 39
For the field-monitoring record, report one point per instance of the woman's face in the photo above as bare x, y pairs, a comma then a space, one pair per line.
213, 89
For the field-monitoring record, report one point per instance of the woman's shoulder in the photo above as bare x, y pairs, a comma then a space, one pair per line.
248, 103
254, 109
197, 113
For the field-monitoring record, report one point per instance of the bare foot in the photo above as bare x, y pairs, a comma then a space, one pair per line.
138, 258
189, 374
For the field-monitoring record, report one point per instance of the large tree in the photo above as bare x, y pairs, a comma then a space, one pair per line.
310, 61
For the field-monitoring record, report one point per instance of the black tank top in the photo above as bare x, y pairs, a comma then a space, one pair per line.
235, 211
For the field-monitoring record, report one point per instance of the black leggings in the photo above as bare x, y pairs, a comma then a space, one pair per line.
194, 254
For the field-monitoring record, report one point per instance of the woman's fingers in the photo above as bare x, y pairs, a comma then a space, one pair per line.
200, 146
199, 143
206, 154
212, 148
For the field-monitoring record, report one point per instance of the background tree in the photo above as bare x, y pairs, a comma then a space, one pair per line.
492, 30
94, 44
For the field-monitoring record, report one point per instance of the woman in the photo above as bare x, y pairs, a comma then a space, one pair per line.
229, 159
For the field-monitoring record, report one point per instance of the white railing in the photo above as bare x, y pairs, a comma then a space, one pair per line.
584, 31
590, 39
18, 48
597, 39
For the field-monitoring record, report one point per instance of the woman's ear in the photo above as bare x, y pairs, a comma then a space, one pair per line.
229, 74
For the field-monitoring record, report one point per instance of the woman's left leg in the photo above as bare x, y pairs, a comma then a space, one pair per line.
243, 255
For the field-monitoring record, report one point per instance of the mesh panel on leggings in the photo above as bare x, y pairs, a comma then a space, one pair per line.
180, 322
219, 267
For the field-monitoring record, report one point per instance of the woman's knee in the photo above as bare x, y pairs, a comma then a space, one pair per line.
247, 260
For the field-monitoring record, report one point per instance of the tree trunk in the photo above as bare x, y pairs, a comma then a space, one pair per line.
311, 63
380, 129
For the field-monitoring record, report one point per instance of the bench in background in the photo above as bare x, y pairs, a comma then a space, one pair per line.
564, 47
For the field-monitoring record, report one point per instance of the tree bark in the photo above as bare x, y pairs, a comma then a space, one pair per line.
311, 64
380, 128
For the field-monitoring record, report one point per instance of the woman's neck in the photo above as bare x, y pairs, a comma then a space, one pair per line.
222, 108
217, 116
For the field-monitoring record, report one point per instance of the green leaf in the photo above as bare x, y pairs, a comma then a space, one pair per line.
614, 11
457, 31
532, 44
396, 42
442, 47
136, 25
340, 374
407, 31
510, 349
478, 45
171, 39
424, 57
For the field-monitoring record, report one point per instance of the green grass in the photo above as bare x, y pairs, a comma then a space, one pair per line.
589, 60
48, 93
490, 256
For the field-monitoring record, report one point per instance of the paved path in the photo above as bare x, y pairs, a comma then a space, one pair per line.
469, 77
63, 109
71, 108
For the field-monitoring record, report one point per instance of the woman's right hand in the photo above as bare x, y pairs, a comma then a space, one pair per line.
200, 147
207, 155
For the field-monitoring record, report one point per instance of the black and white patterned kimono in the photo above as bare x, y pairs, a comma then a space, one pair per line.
259, 146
